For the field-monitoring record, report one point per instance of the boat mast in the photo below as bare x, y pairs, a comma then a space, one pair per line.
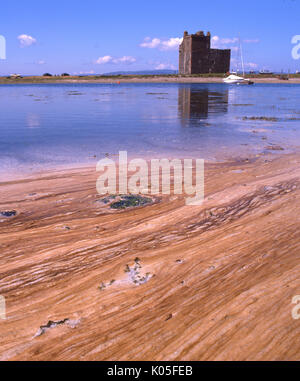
242, 57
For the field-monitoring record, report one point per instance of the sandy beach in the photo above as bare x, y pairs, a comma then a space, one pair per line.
150, 187
218, 279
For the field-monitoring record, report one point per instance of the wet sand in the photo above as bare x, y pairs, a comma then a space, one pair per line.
218, 280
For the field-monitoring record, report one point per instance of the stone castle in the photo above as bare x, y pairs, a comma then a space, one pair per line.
197, 57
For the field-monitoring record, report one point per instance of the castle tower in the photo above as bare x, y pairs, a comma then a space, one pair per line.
197, 57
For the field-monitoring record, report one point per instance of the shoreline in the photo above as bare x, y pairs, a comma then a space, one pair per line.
24, 175
137, 79
225, 272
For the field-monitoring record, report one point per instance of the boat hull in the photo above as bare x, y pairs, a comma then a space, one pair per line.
238, 82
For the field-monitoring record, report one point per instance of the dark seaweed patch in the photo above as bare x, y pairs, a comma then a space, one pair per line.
157, 93
242, 105
263, 118
49, 325
130, 201
53, 324
108, 199
9, 213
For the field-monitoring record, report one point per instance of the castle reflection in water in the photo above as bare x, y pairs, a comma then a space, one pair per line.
196, 104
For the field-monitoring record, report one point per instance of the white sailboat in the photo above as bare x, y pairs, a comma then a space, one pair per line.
233, 78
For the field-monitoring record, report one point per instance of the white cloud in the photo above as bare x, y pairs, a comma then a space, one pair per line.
110, 59
104, 60
171, 44
165, 66
124, 59
222, 43
157, 43
215, 39
150, 43
41, 62
26, 40
225, 43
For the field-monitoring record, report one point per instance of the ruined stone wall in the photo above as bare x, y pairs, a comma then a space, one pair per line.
219, 60
185, 56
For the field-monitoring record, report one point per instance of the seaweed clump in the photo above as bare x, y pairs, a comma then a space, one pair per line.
130, 201
263, 118
135, 275
10, 213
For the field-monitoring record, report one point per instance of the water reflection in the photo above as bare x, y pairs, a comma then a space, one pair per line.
33, 120
195, 105
146, 120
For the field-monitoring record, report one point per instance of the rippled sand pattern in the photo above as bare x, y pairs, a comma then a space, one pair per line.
159, 282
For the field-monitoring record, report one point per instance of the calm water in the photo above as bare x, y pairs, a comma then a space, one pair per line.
43, 126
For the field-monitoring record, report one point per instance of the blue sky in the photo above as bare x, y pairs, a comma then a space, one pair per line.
96, 36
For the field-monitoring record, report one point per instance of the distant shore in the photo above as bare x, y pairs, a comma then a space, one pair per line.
294, 79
